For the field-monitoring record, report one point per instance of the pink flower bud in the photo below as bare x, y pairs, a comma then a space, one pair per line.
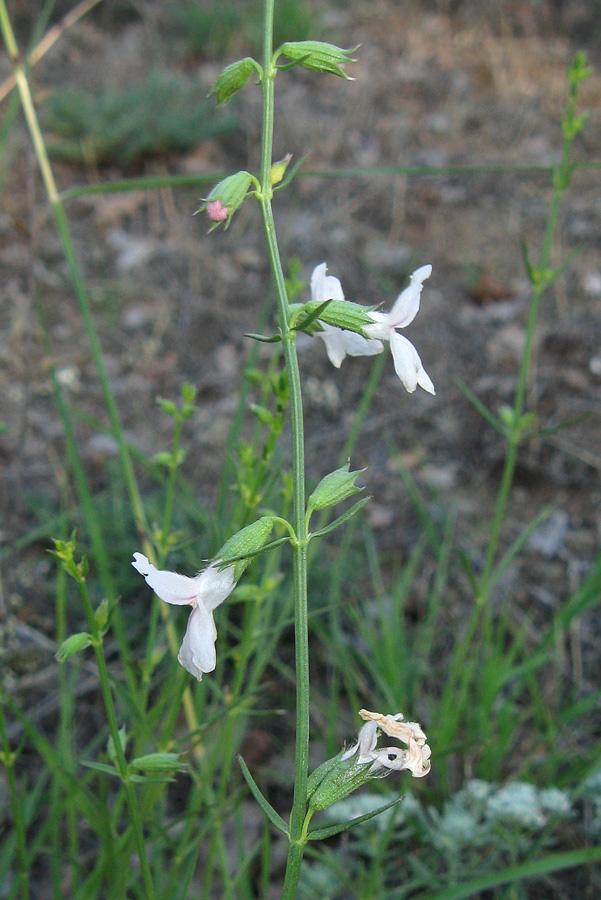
217, 211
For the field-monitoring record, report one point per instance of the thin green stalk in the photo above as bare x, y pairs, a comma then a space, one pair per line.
66, 681
17, 807
541, 277
299, 548
201, 181
163, 548
120, 760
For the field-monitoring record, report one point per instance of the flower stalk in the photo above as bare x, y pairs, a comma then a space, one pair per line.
299, 549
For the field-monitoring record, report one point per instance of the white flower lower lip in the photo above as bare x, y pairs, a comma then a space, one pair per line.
203, 593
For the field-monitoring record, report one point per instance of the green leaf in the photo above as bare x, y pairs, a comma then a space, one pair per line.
263, 415
101, 615
530, 270
168, 406
273, 816
233, 78
264, 340
158, 762
149, 779
318, 56
73, 645
479, 406
110, 747
320, 834
535, 868
355, 508
334, 488
305, 323
163, 458
101, 767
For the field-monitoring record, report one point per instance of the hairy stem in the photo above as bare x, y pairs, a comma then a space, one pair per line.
299, 547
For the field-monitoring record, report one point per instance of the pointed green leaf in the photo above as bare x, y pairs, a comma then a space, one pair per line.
73, 645
305, 323
263, 339
101, 615
273, 816
355, 508
320, 834
110, 745
530, 271
101, 767
158, 762
479, 406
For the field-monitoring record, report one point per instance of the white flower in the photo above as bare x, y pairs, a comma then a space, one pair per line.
203, 593
338, 341
407, 363
416, 758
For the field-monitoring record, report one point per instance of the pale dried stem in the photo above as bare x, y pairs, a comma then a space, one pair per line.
48, 41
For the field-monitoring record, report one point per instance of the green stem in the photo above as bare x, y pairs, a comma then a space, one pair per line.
561, 178
299, 552
120, 760
163, 549
17, 807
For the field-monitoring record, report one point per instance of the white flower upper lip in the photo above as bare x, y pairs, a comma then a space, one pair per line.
204, 593
339, 342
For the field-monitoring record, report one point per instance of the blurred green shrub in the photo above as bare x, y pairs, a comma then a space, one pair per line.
218, 25
167, 114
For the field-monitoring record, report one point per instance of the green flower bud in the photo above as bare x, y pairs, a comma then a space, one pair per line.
246, 543
226, 197
157, 762
319, 56
73, 645
340, 780
233, 78
278, 169
334, 488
